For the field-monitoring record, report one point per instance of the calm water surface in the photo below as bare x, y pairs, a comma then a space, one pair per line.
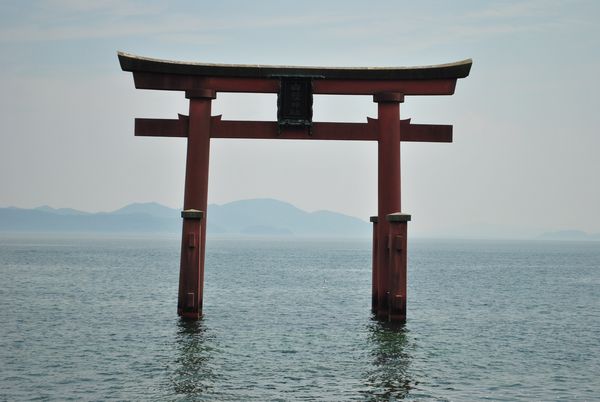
95, 319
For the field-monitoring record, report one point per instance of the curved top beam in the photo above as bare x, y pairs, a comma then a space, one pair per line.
133, 63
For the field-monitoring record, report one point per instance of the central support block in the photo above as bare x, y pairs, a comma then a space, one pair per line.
294, 102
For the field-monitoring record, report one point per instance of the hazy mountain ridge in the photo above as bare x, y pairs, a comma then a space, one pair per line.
60, 211
254, 217
43, 220
263, 217
570, 235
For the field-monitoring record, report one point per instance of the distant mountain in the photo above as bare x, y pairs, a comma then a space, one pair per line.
50, 220
257, 217
148, 208
569, 235
60, 211
268, 216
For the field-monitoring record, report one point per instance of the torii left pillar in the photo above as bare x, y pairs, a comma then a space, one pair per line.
388, 190
193, 239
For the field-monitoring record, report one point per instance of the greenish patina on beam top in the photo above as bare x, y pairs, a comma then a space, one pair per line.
134, 63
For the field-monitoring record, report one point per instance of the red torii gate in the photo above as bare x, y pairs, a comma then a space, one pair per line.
295, 87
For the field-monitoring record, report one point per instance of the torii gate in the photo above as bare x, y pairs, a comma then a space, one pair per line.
295, 87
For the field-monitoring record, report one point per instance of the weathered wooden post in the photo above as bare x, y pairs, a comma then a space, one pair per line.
374, 269
195, 202
397, 251
388, 186
191, 272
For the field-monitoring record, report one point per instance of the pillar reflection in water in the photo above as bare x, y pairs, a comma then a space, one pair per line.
193, 375
389, 376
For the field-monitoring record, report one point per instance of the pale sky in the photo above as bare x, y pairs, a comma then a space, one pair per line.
526, 146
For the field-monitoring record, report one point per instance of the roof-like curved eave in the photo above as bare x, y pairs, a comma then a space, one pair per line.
133, 63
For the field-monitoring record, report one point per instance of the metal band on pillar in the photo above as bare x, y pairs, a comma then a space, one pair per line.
202, 93
389, 97
192, 214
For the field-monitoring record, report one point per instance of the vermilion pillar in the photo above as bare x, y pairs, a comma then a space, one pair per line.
193, 241
388, 187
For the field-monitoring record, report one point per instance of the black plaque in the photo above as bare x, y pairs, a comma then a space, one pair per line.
294, 102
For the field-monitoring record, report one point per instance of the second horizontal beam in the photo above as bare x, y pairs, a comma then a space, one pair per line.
241, 129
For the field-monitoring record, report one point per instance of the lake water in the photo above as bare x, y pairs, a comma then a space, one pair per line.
95, 319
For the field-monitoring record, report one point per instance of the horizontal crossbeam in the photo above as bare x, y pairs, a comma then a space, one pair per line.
162, 127
270, 130
175, 82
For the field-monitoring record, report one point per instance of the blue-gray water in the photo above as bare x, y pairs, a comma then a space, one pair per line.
94, 319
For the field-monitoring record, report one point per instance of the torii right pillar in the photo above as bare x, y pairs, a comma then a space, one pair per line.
390, 225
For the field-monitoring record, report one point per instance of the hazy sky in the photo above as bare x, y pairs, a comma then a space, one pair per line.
526, 144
